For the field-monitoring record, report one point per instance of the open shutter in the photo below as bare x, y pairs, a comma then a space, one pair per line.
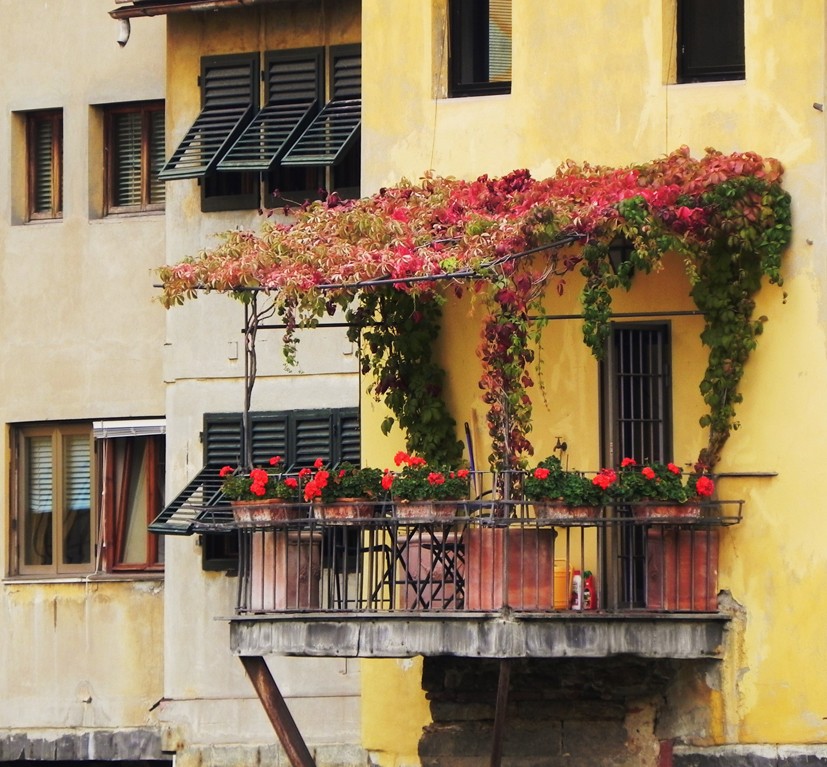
229, 87
299, 437
295, 89
157, 188
335, 129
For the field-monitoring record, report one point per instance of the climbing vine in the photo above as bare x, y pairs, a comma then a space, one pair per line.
396, 332
397, 253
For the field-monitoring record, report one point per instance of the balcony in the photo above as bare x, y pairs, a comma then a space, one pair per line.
491, 581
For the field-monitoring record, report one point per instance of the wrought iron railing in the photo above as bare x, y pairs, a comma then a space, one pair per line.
485, 558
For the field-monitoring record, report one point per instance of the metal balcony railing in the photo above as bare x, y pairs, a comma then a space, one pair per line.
486, 558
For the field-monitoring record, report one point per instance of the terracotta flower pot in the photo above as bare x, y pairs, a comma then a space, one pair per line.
558, 510
426, 509
344, 509
683, 511
267, 510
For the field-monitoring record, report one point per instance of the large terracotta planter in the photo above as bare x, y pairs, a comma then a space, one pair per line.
284, 570
682, 569
429, 570
514, 567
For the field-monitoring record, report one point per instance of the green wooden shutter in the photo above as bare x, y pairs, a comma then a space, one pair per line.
336, 128
229, 89
157, 188
295, 89
299, 437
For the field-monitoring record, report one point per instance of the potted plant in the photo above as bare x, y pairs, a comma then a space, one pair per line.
261, 496
661, 489
422, 491
344, 492
559, 493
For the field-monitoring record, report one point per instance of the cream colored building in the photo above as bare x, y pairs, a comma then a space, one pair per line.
80, 233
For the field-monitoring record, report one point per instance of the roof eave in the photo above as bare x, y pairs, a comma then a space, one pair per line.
162, 8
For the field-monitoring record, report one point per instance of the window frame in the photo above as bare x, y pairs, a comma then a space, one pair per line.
33, 120
469, 45
113, 502
146, 110
58, 433
687, 17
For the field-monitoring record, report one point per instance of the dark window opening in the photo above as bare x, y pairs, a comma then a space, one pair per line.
44, 149
480, 47
710, 40
134, 152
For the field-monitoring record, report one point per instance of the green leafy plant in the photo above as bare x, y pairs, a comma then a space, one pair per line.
549, 481
393, 257
396, 332
259, 484
341, 482
418, 481
666, 483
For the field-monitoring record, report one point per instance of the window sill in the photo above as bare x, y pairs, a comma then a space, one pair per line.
22, 580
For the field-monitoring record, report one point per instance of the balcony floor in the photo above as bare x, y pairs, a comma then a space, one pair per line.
503, 634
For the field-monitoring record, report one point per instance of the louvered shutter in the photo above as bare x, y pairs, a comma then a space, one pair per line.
45, 141
499, 40
349, 442
157, 188
295, 90
126, 135
336, 128
229, 87
39, 475
270, 438
77, 476
299, 437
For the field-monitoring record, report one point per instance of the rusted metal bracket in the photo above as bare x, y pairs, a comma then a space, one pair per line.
499, 712
277, 711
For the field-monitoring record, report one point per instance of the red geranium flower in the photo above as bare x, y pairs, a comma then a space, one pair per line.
648, 472
704, 486
225, 470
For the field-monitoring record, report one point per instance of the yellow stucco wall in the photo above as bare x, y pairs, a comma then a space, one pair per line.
593, 86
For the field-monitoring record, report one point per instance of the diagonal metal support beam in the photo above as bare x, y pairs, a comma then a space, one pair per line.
499, 712
277, 711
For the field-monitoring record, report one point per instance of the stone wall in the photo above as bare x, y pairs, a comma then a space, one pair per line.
582, 713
